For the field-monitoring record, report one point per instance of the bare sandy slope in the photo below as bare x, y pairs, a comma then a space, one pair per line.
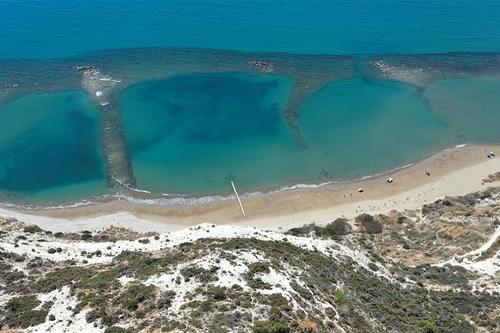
456, 171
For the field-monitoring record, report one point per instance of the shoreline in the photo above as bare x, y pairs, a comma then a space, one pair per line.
138, 196
453, 171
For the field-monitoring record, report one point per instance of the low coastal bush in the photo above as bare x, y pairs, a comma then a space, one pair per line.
135, 295
258, 267
62, 277
199, 273
368, 223
23, 303
427, 326
278, 301
86, 236
365, 301
217, 293
339, 227
117, 329
270, 327
19, 312
335, 229
31, 229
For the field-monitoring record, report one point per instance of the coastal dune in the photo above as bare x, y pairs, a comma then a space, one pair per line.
455, 171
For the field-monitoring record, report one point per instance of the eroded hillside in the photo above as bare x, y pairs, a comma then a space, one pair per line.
428, 270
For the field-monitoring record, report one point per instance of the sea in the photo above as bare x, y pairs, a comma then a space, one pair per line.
417, 77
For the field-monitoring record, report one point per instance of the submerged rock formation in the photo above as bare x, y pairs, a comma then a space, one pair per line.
101, 88
308, 72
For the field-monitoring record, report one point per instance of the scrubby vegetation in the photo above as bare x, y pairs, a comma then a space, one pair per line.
336, 229
21, 312
369, 224
374, 273
365, 302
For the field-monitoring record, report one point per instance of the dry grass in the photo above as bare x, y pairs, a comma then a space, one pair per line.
491, 251
492, 178
308, 324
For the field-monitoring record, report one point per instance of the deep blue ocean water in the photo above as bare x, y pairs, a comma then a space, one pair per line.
55, 28
192, 134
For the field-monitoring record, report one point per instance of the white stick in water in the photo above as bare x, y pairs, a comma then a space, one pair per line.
238, 197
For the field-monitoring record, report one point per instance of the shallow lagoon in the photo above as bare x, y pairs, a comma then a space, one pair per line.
50, 148
192, 134
360, 127
470, 105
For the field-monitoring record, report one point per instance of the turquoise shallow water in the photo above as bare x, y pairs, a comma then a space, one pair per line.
191, 134
471, 107
360, 127
50, 148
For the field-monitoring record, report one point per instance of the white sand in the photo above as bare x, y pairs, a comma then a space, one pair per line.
455, 171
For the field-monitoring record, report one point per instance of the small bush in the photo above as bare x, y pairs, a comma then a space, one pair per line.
276, 300
61, 277
270, 327
341, 298
20, 312
217, 293
426, 325
202, 274
86, 236
369, 224
339, 227
258, 267
23, 303
403, 219
135, 295
31, 229
117, 329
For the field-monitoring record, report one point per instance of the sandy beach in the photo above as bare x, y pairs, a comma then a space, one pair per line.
454, 171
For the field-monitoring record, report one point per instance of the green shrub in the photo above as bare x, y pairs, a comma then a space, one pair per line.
256, 282
369, 224
202, 274
217, 293
339, 227
117, 329
403, 219
23, 303
102, 280
86, 236
135, 295
341, 298
270, 327
20, 312
278, 301
32, 229
426, 325
258, 267
62, 277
